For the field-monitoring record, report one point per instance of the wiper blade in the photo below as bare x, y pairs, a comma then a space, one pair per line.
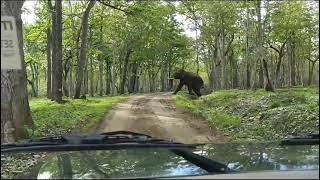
207, 164
307, 139
110, 140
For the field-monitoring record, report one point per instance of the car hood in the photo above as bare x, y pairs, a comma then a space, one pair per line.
159, 162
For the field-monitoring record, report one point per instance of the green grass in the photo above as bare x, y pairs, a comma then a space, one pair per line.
51, 118
259, 115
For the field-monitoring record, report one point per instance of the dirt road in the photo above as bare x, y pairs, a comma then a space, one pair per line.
155, 114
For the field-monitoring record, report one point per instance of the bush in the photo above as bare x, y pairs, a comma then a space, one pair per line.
258, 115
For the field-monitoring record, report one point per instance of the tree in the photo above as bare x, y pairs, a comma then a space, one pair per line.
260, 51
49, 61
56, 60
83, 49
137, 46
15, 110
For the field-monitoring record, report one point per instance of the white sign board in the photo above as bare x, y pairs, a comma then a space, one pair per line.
10, 55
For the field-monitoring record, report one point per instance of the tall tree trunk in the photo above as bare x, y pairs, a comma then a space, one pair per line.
248, 66
133, 78
112, 74
101, 61
108, 71
125, 68
37, 78
85, 79
234, 65
163, 76
75, 52
278, 65
66, 69
70, 87
137, 83
212, 79
49, 72
311, 69
223, 61
100, 77
34, 80
260, 83
53, 46
83, 49
91, 78
151, 82
277, 76
56, 88
291, 60
15, 110
266, 79
197, 50
56, 67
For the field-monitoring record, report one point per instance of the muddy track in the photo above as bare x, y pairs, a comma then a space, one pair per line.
155, 114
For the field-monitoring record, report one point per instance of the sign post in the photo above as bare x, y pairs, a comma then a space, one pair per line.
10, 54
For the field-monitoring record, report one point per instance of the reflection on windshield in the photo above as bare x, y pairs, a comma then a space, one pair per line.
253, 157
120, 164
164, 163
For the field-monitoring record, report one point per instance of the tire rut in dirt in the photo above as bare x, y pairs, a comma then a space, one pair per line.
144, 119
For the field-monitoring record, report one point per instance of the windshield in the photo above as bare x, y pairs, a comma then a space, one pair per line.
189, 72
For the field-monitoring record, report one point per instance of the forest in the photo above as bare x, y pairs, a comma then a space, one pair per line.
259, 61
81, 49
108, 48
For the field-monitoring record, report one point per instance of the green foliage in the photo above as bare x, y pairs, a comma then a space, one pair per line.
258, 114
51, 118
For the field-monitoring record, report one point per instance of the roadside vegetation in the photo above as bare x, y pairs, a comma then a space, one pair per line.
51, 118
258, 115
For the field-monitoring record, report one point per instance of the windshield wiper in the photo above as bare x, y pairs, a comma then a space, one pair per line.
103, 141
307, 139
207, 164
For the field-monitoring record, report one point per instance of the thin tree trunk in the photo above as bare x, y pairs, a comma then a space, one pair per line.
278, 65
112, 74
100, 57
197, 50
311, 69
248, 67
85, 79
33, 82
277, 76
37, 78
212, 81
71, 80
223, 62
75, 35
260, 83
234, 71
266, 79
137, 84
163, 77
49, 71
291, 60
100, 77
133, 78
83, 49
125, 69
108, 72
91, 78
